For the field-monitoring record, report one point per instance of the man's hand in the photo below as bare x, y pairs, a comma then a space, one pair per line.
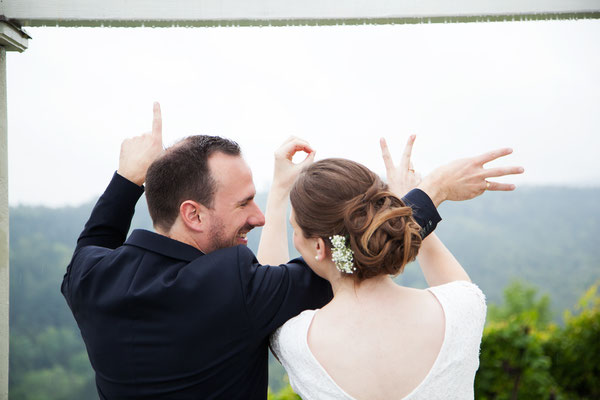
137, 153
285, 171
402, 178
466, 178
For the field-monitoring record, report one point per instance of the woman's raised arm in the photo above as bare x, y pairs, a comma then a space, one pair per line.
273, 246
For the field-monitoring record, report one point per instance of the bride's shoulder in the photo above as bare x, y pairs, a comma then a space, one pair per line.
296, 325
464, 305
460, 289
288, 338
462, 300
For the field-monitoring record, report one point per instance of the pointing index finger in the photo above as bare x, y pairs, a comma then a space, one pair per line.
157, 121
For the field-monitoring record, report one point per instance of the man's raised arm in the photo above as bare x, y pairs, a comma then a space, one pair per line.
110, 220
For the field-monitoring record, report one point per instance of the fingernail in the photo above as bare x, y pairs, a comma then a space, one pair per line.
521, 169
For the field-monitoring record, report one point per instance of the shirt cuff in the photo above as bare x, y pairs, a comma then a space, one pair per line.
424, 211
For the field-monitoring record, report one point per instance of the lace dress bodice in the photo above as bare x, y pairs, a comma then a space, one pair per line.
451, 376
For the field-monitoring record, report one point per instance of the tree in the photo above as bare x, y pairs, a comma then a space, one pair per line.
575, 349
522, 303
512, 362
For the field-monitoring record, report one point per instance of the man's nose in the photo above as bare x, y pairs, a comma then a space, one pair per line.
257, 218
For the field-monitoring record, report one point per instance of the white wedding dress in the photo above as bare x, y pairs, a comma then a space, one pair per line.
450, 377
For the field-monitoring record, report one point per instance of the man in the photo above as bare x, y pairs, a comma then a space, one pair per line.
185, 313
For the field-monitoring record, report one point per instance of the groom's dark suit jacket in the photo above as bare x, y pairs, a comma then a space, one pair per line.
162, 320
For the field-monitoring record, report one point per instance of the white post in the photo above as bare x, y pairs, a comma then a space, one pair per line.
4, 278
11, 38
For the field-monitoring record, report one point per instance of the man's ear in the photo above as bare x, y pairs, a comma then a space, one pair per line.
194, 215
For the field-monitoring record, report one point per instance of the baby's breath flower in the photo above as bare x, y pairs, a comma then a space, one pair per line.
342, 255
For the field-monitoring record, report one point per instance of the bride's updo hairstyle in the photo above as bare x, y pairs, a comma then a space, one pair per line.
341, 197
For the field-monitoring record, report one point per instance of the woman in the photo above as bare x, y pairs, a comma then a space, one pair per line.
376, 339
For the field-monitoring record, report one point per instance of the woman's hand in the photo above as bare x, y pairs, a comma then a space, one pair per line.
466, 178
285, 171
402, 178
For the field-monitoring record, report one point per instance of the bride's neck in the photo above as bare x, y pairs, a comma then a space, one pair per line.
347, 287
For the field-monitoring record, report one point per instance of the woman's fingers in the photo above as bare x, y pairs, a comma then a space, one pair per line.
310, 158
405, 162
496, 186
385, 154
498, 172
492, 155
293, 145
502, 171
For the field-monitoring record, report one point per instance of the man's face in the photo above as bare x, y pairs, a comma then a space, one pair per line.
234, 211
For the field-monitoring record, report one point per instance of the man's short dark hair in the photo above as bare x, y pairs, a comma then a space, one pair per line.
182, 174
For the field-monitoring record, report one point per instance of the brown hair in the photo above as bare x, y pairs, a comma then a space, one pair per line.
341, 197
182, 174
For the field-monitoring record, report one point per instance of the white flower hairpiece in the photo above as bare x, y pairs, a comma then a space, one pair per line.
342, 255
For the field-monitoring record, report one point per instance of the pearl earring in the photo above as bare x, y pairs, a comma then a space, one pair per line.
317, 258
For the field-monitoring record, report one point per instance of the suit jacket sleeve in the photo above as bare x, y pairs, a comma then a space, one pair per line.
106, 228
424, 211
111, 217
275, 294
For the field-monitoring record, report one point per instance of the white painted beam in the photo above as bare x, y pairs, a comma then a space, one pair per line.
285, 12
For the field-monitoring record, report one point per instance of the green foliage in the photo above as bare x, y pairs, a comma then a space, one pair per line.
512, 363
47, 356
525, 356
521, 303
57, 382
575, 349
287, 393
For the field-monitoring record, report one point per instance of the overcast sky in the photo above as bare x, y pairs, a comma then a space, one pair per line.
76, 93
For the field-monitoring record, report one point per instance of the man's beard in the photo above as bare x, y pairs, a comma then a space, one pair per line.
218, 237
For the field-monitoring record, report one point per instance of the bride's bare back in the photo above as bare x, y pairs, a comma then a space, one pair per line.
380, 342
